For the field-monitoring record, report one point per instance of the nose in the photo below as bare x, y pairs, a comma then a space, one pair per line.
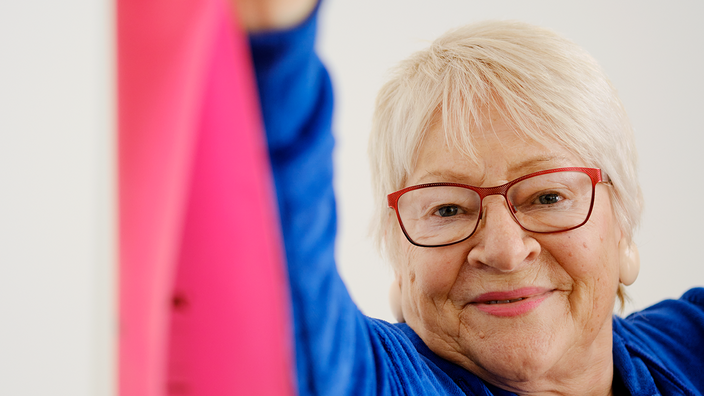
500, 242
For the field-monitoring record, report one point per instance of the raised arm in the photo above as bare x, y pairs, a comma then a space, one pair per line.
333, 351
339, 351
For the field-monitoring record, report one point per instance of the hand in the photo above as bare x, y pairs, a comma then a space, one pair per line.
261, 15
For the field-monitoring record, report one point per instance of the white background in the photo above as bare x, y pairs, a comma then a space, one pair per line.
57, 267
57, 205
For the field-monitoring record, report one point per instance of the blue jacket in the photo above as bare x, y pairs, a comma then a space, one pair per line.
339, 351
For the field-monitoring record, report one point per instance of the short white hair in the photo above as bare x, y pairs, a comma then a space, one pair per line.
545, 86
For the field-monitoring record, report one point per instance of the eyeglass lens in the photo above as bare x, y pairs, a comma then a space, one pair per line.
551, 202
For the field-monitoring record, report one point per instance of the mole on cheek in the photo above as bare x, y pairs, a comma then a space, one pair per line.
412, 276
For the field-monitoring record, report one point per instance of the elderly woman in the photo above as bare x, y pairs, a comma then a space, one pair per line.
504, 172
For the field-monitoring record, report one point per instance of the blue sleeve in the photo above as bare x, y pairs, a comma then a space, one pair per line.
667, 339
333, 347
339, 351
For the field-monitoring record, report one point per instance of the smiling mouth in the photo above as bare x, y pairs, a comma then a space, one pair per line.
504, 301
512, 303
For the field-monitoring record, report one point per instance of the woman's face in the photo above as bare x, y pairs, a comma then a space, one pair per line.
569, 279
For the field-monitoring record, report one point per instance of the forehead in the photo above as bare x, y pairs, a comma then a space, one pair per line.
497, 153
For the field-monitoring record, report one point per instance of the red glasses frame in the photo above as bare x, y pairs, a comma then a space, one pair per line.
596, 175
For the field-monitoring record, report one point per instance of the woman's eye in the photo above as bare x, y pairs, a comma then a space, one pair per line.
447, 211
548, 199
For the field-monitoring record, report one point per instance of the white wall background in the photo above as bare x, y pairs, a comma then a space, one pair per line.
57, 274
652, 51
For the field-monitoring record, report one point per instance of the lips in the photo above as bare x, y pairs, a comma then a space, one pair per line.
504, 301
511, 303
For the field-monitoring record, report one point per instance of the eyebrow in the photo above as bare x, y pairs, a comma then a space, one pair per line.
539, 162
518, 169
444, 176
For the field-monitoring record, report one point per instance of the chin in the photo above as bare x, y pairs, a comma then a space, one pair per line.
521, 356
517, 349
519, 363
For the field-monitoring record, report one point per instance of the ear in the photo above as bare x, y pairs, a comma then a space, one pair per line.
629, 261
395, 300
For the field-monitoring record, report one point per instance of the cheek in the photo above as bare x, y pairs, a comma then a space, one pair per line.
589, 255
608, 235
429, 275
431, 272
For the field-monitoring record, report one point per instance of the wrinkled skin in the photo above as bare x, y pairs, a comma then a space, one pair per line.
562, 346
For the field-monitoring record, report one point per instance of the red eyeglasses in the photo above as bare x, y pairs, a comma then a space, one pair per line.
441, 214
